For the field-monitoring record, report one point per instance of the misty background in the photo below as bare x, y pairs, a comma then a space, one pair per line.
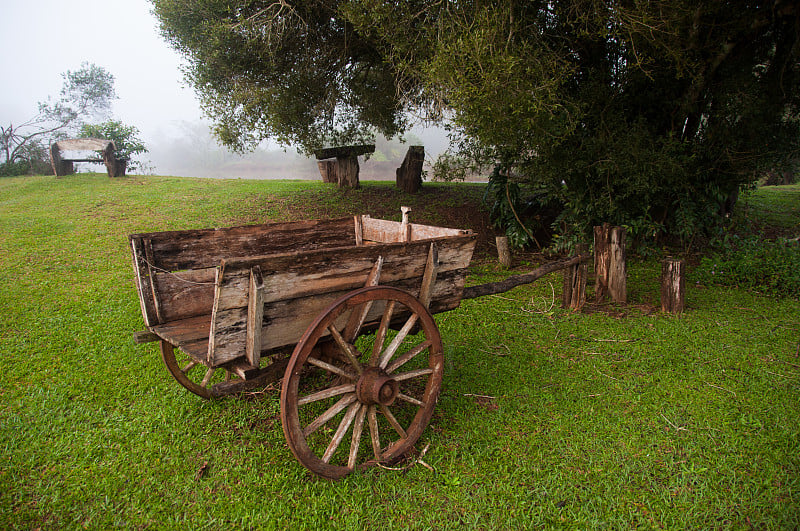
42, 39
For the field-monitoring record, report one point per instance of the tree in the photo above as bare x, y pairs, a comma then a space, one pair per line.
296, 72
128, 145
646, 114
86, 92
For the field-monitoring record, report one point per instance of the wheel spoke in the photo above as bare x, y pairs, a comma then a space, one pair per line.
331, 412
412, 374
372, 417
393, 421
331, 368
340, 431
347, 348
398, 339
326, 393
410, 400
207, 377
192, 364
355, 441
380, 335
408, 356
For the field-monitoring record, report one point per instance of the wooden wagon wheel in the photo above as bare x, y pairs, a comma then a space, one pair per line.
194, 376
373, 392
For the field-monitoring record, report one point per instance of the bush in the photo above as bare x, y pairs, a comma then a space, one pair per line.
770, 267
25, 167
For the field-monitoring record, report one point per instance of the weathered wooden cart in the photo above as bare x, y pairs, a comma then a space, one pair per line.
340, 309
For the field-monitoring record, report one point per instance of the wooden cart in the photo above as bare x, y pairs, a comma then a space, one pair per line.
340, 309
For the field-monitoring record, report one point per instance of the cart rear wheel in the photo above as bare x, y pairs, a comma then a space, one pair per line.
356, 400
194, 376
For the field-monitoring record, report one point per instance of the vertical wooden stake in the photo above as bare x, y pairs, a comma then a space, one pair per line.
405, 226
673, 285
573, 295
503, 252
609, 263
255, 317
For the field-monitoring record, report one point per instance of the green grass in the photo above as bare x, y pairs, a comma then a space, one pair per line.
623, 417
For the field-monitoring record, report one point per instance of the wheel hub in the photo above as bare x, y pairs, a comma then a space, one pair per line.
376, 387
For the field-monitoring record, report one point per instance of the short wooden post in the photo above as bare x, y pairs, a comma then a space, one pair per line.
573, 295
673, 285
347, 171
609, 263
408, 176
503, 252
327, 169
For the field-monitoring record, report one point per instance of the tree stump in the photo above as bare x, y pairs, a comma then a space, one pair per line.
503, 252
673, 285
347, 172
609, 263
573, 295
327, 169
409, 174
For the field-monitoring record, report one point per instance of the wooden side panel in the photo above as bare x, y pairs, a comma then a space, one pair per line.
144, 282
297, 287
198, 249
185, 294
383, 231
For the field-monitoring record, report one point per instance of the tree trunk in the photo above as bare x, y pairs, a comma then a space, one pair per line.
327, 169
347, 172
609, 263
503, 252
673, 285
573, 295
409, 174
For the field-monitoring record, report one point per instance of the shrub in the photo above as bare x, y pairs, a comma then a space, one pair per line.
770, 267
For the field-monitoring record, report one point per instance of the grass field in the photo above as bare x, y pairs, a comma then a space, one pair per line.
617, 417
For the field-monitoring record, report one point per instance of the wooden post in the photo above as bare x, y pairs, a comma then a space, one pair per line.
573, 295
673, 285
347, 171
503, 252
327, 169
609, 263
409, 174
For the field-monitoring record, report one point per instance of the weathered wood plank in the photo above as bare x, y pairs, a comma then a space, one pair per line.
294, 275
255, 316
184, 294
285, 321
344, 151
143, 282
198, 249
381, 230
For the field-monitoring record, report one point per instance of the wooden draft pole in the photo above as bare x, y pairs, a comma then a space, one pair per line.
673, 285
609, 263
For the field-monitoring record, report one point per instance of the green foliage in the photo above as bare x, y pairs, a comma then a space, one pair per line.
86, 92
646, 114
127, 144
296, 72
770, 267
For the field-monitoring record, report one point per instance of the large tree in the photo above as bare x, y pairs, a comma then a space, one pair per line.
645, 113
296, 72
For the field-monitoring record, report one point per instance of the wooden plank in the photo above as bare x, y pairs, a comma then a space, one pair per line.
81, 144
143, 282
255, 317
198, 249
429, 276
344, 151
285, 321
185, 294
384, 231
295, 275
359, 230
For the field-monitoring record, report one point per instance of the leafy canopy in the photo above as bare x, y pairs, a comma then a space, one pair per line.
647, 114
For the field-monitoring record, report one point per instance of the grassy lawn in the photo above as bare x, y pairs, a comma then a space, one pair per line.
616, 417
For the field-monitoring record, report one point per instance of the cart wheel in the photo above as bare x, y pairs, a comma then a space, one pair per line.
194, 376
375, 393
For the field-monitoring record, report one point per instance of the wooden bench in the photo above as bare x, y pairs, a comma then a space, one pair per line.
65, 166
340, 164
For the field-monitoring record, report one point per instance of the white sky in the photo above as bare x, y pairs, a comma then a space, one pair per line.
40, 39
